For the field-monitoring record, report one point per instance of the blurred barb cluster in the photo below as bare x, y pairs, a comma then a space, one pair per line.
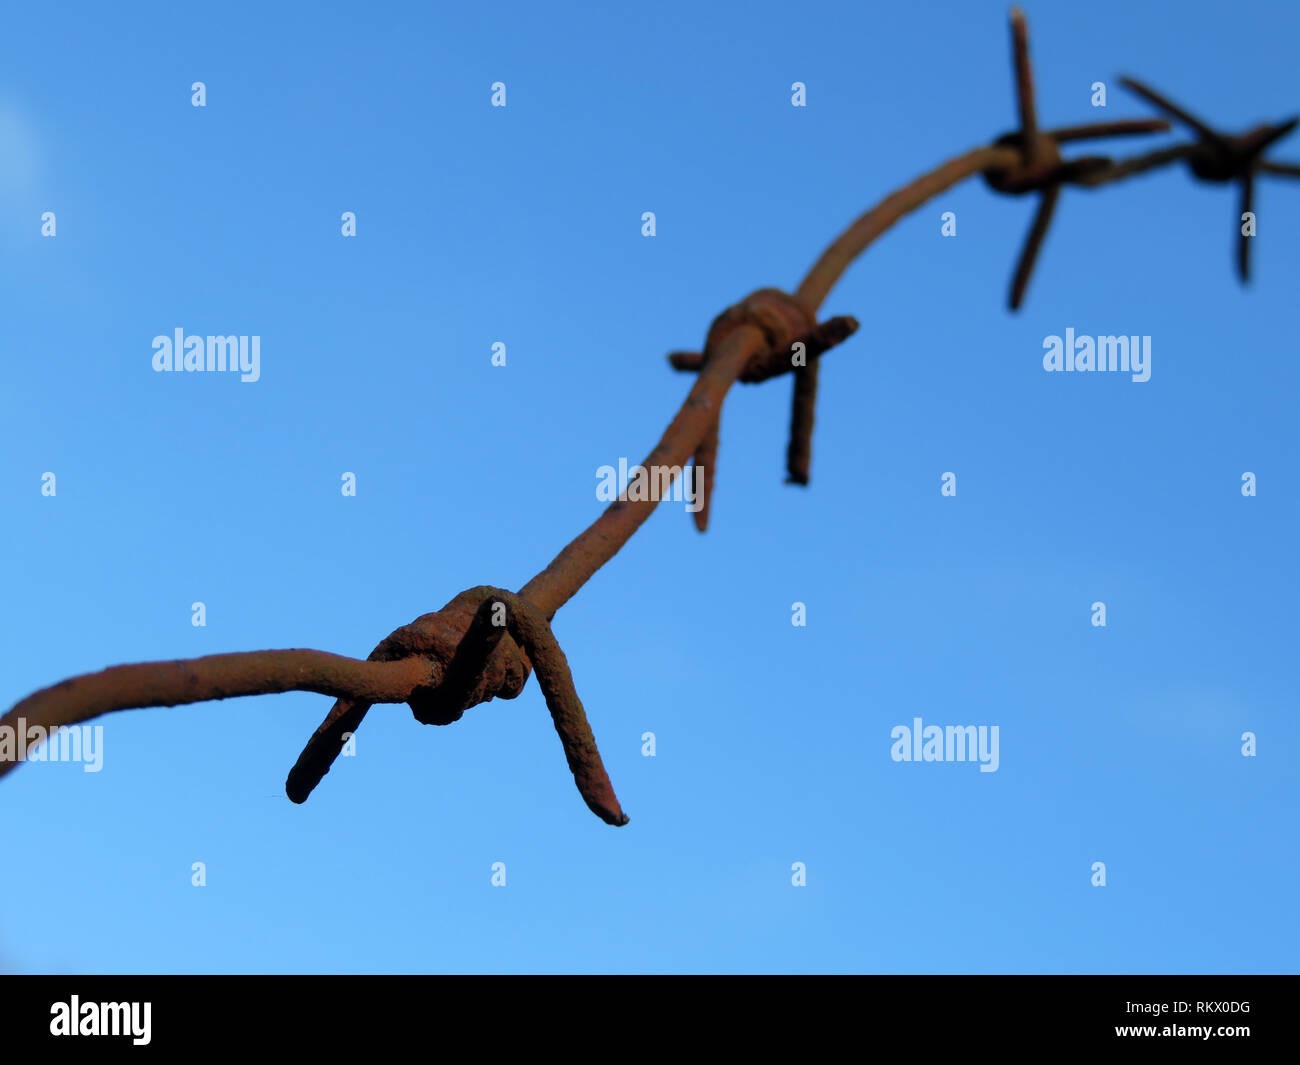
1213, 156
1040, 167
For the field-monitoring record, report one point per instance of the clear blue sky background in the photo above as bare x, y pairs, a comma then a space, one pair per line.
522, 225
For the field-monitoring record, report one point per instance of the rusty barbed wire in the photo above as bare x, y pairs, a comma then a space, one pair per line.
1215, 157
1041, 168
1036, 166
762, 367
766, 365
485, 642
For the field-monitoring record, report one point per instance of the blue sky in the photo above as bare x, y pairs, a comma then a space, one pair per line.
522, 225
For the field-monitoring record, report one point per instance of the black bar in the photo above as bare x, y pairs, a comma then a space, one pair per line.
865, 1014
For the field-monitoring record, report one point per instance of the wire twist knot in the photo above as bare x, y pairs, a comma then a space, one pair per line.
781, 317
483, 645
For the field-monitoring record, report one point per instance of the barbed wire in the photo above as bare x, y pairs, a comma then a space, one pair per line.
486, 641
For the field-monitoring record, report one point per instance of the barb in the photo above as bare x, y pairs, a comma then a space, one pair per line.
1215, 157
1041, 168
436, 638
705, 465
760, 367
445, 662
530, 629
769, 364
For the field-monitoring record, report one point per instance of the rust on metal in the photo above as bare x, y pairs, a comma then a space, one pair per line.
1213, 156
485, 642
